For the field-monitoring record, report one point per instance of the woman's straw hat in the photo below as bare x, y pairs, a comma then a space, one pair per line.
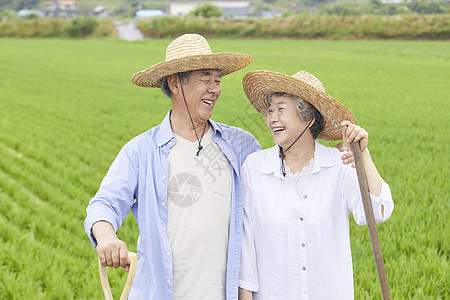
258, 85
187, 53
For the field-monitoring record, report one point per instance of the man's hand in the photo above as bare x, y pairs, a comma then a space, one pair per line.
111, 251
347, 158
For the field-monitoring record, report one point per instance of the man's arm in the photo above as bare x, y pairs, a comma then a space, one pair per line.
108, 209
111, 251
245, 295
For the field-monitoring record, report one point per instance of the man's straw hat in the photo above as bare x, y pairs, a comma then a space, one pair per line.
258, 85
187, 53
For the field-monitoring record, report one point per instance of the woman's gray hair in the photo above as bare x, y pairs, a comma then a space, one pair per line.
165, 85
306, 112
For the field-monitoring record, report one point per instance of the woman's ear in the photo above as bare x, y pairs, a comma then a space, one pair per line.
173, 81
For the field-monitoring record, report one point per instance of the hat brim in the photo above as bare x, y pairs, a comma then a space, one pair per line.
259, 85
225, 62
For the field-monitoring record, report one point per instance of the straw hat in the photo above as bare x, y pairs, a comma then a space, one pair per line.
258, 85
187, 53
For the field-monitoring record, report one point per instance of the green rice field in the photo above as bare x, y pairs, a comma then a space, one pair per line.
68, 106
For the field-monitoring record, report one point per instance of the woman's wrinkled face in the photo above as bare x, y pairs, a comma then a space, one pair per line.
284, 121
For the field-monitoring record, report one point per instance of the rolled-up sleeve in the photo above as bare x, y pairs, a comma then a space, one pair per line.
115, 197
356, 206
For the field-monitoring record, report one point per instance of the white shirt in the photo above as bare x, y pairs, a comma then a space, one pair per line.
295, 251
199, 198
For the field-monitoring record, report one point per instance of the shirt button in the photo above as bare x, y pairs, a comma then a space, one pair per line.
303, 245
164, 177
305, 196
168, 253
304, 268
164, 229
168, 280
301, 219
163, 204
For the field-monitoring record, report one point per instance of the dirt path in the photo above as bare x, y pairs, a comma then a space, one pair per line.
128, 30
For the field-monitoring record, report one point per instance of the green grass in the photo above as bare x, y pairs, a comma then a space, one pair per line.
67, 107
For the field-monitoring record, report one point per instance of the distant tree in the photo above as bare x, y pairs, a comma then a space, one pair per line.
81, 27
287, 13
426, 7
376, 3
8, 14
21, 4
206, 10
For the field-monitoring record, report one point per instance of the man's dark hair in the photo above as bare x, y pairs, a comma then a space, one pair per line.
165, 85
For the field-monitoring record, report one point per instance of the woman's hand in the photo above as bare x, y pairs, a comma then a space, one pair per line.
354, 133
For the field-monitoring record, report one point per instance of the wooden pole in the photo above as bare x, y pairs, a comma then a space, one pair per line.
132, 260
374, 240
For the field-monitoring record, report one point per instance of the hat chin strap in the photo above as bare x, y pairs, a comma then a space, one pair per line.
200, 147
282, 156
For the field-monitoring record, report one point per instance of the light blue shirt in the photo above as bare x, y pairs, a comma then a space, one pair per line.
137, 180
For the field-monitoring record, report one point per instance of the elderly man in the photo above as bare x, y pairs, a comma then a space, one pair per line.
181, 181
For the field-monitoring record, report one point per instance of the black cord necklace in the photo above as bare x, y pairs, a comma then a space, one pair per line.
200, 147
282, 156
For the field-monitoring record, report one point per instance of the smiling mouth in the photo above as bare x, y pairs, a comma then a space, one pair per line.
278, 129
209, 102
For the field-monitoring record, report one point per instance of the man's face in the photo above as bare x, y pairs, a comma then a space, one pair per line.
202, 91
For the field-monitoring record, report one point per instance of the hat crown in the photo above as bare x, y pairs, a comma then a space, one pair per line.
310, 79
187, 45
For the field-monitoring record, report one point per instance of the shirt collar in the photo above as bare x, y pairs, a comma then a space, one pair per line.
166, 134
272, 164
323, 157
218, 130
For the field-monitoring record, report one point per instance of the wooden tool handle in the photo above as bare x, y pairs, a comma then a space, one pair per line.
374, 240
132, 260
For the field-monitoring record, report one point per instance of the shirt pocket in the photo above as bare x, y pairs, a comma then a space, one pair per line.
222, 184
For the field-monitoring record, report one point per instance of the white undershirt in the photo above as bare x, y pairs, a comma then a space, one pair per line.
199, 197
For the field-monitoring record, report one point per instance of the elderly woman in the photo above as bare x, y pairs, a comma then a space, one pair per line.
298, 196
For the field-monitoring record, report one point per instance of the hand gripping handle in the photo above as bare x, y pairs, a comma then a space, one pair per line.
132, 260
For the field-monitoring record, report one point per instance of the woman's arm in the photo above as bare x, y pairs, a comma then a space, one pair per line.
354, 133
379, 190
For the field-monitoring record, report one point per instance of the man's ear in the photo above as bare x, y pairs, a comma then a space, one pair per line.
172, 81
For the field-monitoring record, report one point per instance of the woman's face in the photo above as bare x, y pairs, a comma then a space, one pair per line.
283, 121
